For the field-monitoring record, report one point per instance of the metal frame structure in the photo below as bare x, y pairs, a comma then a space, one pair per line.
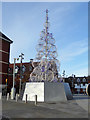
48, 64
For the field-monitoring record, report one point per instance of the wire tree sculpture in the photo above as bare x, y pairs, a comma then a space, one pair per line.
47, 67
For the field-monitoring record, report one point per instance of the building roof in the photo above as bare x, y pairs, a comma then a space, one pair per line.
4, 37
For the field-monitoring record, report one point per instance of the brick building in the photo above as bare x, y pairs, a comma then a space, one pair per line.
77, 83
4, 57
27, 68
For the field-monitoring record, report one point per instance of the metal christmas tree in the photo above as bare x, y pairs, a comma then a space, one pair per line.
47, 67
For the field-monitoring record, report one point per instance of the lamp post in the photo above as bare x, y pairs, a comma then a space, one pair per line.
72, 82
21, 56
13, 89
63, 75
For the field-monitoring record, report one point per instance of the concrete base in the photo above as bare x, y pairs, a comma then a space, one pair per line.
47, 91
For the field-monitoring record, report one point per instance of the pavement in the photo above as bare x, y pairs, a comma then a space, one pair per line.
76, 108
82, 100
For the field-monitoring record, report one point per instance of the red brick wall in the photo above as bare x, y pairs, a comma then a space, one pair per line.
0, 67
0, 44
26, 74
4, 57
10, 82
0, 56
0, 78
5, 46
4, 68
4, 78
0, 60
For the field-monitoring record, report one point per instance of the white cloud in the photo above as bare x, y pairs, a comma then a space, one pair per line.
73, 49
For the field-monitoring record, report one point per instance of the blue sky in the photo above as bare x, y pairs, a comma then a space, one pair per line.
23, 21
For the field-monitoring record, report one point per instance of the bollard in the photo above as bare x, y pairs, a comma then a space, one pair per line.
26, 99
16, 97
35, 99
0, 95
7, 96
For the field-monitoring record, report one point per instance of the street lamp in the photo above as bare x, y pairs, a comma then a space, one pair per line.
63, 75
72, 83
21, 56
13, 89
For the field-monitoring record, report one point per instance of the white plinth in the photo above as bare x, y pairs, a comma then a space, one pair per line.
47, 91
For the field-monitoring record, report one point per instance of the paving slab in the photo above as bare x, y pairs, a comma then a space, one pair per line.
83, 101
69, 109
